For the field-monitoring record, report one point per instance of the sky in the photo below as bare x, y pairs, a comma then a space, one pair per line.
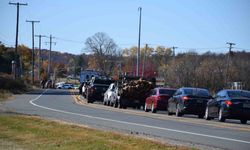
199, 25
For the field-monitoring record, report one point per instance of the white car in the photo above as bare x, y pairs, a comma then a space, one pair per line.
65, 86
111, 95
59, 85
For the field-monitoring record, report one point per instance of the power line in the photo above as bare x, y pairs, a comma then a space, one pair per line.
245, 49
202, 47
5, 41
68, 40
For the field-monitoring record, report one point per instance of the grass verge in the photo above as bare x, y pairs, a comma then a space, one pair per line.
27, 132
4, 95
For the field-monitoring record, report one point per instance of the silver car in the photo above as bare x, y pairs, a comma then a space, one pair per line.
111, 95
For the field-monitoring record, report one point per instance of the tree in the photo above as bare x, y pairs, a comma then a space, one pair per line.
6, 58
26, 55
103, 46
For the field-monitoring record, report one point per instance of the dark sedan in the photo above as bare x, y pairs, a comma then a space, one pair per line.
188, 100
229, 104
158, 99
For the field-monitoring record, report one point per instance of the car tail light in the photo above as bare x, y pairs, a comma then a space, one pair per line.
158, 97
185, 98
229, 103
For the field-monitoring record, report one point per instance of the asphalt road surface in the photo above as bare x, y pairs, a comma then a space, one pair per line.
187, 130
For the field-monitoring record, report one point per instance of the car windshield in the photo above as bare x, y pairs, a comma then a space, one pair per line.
197, 92
166, 91
239, 94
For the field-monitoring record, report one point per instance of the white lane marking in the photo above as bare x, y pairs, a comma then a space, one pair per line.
135, 124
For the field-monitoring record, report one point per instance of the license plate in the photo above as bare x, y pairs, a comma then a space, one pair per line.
246, 105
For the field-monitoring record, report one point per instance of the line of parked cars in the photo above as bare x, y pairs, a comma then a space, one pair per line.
227, 104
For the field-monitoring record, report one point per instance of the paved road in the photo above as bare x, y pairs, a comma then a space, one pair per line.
60, 105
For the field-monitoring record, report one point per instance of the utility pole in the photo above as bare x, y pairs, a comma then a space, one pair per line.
228, 61
17, 26
33, 47
139, 43
39, 54
50, 47
173, 48
144, 59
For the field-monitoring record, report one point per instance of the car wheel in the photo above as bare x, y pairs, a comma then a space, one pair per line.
200, 116
221, 117
111, 104
153, 109
145, 108
120, 104
207, 114
243, 121
104, 102
115, 104
169, 113
89, 101
178, 112
88, 98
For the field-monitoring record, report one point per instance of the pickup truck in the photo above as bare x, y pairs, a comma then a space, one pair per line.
96, 89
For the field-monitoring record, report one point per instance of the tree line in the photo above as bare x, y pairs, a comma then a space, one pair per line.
213, 71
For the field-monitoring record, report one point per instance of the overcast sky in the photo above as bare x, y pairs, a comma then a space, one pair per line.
188, 24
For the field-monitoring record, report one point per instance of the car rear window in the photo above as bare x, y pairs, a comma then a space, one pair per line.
197, 92
239, 94
166, 91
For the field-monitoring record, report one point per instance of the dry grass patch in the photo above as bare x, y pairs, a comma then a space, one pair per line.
35, 133
4, 95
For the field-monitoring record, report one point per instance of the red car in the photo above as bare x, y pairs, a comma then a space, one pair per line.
158, 99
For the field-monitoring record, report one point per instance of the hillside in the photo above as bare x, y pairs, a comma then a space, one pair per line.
56, 57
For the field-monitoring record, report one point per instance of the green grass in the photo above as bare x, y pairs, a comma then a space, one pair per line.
27, 132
